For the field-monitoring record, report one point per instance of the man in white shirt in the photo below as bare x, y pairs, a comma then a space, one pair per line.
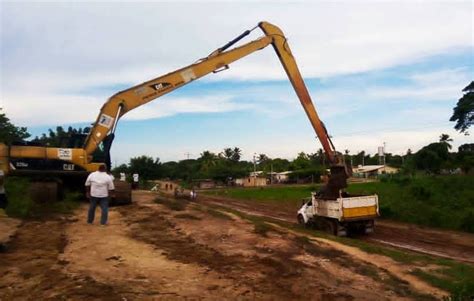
135, 181
99, 185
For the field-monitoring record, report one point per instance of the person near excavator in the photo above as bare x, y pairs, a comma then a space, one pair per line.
99, 187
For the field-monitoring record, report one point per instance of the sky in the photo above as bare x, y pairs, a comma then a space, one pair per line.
378, 72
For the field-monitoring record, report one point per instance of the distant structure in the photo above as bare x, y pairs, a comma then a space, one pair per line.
372, 171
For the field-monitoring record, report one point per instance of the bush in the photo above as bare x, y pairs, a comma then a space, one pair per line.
436, 201
19, 201
467, 223
20, 204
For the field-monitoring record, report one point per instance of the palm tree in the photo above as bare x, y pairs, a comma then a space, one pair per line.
207, 159
237, 154
346, 152
262, 158
445, 139
227, 153
322, 156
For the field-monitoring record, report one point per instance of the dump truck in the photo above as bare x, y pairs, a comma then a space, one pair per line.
341, 216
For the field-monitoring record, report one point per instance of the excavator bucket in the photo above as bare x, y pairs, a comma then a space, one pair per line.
337, 181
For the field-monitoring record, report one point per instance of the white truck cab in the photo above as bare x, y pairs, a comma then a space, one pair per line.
342, 215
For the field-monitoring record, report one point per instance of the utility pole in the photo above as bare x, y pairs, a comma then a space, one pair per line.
271, 174
187, 155
254, 169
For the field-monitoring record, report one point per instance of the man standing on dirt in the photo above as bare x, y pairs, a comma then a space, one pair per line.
98, 187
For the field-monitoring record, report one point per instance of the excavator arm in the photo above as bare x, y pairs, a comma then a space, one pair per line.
129, 99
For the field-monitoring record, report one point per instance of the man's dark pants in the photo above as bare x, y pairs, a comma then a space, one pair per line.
104, 206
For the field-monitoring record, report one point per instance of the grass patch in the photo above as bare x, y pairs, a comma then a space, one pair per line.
71, 201
290, 195
458, 279
434, 201
171, 204
19, 201
219, 214
20, 205
261, 228
187, 216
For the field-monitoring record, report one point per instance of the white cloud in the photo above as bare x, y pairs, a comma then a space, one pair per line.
47, 110
398, 141
54, 56
57, 47
177, 105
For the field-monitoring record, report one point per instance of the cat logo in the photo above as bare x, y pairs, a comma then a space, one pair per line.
161, 86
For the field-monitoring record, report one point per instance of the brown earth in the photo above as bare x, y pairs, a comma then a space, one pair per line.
442, 243
174, 250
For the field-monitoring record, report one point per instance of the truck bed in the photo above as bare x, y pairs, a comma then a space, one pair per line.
348, 208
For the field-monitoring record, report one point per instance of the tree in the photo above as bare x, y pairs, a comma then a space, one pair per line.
465, 157
73, 137
262, 159
9, 132
445, 139
236, 155
463, 112
432, 157
322, 156
207, 160
119, 169
227, 153
146, 167
301, 162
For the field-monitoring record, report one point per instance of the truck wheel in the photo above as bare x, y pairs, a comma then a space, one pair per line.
301, 220
332, 227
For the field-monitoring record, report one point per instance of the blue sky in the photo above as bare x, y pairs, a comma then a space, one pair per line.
373, 78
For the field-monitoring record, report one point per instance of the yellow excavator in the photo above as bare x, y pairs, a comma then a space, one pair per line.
66, 162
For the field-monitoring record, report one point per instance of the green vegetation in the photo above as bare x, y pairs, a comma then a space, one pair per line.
275, 194
436, 201
463, 112
454, 278
187, 216
9, 132
20, 204
219, 214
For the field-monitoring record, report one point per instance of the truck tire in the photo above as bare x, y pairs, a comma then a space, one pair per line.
301, 220
332, 227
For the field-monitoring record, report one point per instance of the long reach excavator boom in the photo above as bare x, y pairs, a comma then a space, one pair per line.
122, 102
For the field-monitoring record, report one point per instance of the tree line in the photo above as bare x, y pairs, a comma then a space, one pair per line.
435, 158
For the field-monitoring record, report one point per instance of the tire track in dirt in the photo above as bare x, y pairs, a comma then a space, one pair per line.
274, 265
382, 262
30, 268
453, 245
398, 270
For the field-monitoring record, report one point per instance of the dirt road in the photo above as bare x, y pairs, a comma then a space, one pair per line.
160, 249
442, 243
